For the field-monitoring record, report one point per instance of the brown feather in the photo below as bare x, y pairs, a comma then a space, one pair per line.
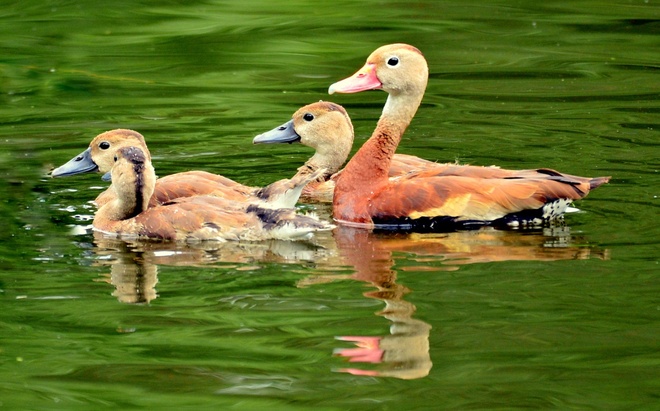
104, 147
363, 192
190, 218
330, 133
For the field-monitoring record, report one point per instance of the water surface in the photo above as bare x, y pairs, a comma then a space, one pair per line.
561, 318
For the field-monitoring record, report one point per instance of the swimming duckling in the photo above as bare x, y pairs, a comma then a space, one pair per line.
327, 128
103, 148
195, 218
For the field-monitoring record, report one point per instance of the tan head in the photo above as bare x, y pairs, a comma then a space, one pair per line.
400, 70
324, 126
101, 152
105, 146
395, 68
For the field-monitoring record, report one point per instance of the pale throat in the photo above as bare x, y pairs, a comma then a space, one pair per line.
330, 161
401, 107
132, 196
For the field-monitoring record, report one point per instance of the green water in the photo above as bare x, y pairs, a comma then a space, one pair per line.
565, 318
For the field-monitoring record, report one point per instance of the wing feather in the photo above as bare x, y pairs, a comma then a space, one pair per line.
470, 198
188, 184
404, 163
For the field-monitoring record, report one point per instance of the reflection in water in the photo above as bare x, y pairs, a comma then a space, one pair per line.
134, 264
134, 278
490, 245
404, 353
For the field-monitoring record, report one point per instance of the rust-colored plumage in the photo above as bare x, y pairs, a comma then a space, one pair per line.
189, 218
103, 148
445, 196
326, 127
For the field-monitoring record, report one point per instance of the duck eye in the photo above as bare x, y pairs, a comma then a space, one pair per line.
308, 117
393, 61
104, 145
115, 158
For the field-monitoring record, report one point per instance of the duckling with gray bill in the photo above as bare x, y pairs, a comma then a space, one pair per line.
190, 219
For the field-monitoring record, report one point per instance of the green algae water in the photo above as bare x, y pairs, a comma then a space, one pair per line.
567, 317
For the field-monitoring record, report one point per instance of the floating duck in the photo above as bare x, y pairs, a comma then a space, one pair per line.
99, 156
129, 214
435, 199
326, 127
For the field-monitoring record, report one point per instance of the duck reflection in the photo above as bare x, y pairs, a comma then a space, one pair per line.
134, 264
404, 352
134, 278
375, 258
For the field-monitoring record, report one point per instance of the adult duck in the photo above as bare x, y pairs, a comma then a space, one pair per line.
99, 156
195, 218
327, 128
434, 199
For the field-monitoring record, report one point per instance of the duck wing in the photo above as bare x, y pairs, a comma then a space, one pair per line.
211, 218
468, 198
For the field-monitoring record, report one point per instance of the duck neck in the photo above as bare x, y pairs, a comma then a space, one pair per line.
133, 192
372, 162
330, 162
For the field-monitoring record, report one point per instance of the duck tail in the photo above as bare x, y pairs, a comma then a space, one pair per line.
598, 181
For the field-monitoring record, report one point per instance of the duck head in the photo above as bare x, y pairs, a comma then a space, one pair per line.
100, 154
315, 125
394, 68
324, 126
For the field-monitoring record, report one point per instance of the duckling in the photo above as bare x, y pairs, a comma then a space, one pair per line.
190, 219
103, 148
327, 128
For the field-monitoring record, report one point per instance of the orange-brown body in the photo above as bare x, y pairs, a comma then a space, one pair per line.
191, 218
326, 127
365, 195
